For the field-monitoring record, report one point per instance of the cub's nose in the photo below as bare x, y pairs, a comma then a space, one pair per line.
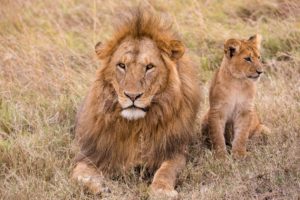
133, 96
259, 71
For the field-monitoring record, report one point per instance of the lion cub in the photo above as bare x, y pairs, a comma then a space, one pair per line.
232, 94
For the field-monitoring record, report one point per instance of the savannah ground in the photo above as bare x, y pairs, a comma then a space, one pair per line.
47, 63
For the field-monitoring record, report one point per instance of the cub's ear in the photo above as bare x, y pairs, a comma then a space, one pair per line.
177, 49
231, 47
256, 39
99, 49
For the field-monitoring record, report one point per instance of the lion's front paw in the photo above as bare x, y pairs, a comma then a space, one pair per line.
95, 184
162, 191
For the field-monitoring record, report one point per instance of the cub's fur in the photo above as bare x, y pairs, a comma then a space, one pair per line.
141, 109
232, 94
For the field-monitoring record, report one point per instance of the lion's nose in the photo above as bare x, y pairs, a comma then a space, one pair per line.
133, 96
259, 71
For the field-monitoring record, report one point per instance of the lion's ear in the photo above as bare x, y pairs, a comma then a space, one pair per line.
256, 39
231, 47
177, 49
99, 49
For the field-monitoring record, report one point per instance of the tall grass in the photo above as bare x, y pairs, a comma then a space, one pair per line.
47, 63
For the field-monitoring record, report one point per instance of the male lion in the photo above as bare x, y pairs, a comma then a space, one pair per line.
141, 109
231, 97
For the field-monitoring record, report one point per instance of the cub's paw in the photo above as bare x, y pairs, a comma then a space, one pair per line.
162, 191
261, 131
220, 154
95, 184
240, 154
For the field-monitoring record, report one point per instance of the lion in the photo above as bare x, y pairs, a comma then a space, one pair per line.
142, 107
231, 98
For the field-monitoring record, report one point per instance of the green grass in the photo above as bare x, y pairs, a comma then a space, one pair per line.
47, 63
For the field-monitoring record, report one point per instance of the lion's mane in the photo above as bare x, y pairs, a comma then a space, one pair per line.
113, 143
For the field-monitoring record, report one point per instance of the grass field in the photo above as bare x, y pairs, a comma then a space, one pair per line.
47, 63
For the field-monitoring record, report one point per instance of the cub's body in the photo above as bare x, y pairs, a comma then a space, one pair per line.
232, 95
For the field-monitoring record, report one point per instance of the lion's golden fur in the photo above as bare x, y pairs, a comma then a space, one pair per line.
112, 143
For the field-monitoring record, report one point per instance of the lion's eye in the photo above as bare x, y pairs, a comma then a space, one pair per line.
149, 66
121, 65
248, 59
259, 57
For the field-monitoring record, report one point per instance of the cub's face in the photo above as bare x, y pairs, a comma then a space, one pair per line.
139, 74
243, 57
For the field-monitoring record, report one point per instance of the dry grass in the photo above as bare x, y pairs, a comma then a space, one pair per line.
47, 63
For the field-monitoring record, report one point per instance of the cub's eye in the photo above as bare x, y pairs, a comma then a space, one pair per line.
149, 66
248, 59
259, 57
121, 65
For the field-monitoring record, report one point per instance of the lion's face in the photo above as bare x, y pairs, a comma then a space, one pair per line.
139, 74
243, 56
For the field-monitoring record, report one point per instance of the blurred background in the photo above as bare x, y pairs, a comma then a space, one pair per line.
47, 63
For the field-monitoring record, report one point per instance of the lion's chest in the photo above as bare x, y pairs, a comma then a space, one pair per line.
136, 147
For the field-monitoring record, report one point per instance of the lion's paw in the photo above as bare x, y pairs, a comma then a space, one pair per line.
160, 192
95, 184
